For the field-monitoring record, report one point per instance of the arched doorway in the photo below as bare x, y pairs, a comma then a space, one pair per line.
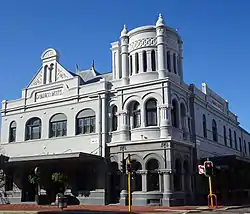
186, 176
114, 183
136, 176
153, 176
177, 175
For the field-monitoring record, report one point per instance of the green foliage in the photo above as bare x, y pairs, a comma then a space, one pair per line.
59, 177
34, 179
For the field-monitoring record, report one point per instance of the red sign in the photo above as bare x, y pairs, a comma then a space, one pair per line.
201, 169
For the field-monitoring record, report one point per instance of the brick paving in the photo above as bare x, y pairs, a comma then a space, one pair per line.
115, 208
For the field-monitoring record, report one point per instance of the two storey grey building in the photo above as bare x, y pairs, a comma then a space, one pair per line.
84, 123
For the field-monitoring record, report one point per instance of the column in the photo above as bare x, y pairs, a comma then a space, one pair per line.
123, 126
172, 61
165, 121
167, 180
167, 186
180, 60
134, 64
149, 61
124, 55
143, 179
160, 31
140, 56
160, 181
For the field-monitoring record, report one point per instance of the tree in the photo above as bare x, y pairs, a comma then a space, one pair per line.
60, 180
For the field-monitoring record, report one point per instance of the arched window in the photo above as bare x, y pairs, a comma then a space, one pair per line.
214, 131
33, 129
50, 72
153, 61
137, 178
12, 133
151, 113
168, 61
204, 126
225, 135
85, 122
114, 118
45, 71
58, 125
178, 175
136, 63
153, 176
174, 63
230, 138
235, 140
240, 144
136, 114
183, 116
245, 146
144, 55
175, 114
131, 65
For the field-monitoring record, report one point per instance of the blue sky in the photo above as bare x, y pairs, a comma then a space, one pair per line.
216, 37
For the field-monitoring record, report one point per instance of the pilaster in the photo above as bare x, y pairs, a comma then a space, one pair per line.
104, 127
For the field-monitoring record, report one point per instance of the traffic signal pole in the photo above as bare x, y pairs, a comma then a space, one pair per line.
210, 190
129, 183
208, 165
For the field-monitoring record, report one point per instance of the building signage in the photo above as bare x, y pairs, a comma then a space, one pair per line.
49, 95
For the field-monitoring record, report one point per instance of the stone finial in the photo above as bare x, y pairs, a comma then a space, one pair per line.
124, 31
160, 21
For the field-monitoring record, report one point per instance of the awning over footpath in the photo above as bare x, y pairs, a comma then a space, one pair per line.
53, 158
228, 161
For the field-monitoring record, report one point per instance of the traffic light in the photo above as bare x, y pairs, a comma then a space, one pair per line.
129, 166
208, 168
123, 166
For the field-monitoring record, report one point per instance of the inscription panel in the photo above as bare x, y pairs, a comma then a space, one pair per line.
49, 95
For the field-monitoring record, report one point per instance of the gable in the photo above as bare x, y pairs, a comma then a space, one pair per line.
51, 70
37, 79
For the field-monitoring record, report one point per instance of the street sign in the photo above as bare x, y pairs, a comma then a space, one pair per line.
201, 169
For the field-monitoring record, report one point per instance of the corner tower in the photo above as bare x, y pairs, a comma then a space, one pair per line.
147, 53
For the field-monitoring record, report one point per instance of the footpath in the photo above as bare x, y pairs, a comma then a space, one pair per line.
108, 209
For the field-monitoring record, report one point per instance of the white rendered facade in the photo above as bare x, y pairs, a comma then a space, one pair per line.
142, 108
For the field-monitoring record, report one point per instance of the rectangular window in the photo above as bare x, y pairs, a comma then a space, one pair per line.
12, 134
86, 125
249, 147
35, 132
59, 129
152, 118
